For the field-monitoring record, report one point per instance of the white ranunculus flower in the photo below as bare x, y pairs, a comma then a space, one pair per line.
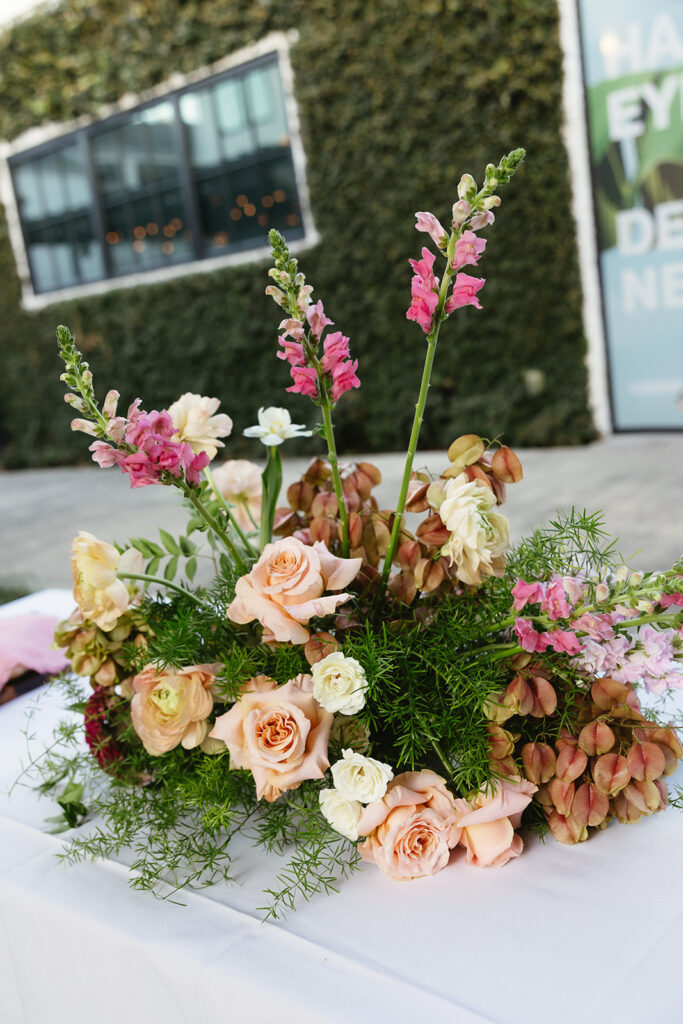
195, 422
339, 684
342, 814
275, 426
479, 537
361, 778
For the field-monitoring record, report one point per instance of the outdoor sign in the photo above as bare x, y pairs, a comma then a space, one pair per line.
633, 68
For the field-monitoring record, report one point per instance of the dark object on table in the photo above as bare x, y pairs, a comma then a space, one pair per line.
21, 685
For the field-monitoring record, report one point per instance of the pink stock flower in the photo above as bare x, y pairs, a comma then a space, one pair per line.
105, 455
669, 599
465, 288
597, 625
305, 381
554, 602
317, 320
563, 641
293, 328
481, 220
468, 249
575, 589
424, 289
336, 350
292, 351
344, 378
526, 593
429, 223
602, 657
529, 638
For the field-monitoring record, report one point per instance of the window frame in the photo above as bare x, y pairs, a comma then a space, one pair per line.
39, 142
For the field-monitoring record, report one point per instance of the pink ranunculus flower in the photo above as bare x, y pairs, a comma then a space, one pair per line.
428, 222
344, 378
278, 733
171, 706
286, 588
240, 483
336, 348
489, 820
317, 320
468, 249
465, 288
411, 831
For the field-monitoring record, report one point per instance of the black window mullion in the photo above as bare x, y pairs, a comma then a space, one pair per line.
187, 188
96, 213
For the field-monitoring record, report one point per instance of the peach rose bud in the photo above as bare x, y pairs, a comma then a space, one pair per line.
571, 762
539, 762
590, 806
506, 466
645, 761
596, 738
611, 773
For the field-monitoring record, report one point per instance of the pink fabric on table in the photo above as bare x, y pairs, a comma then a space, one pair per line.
26, 643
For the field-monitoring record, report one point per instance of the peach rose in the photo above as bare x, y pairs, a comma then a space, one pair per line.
172, 706
239, 482
98, 592
488, 823
413, 828
285, 588
278, 733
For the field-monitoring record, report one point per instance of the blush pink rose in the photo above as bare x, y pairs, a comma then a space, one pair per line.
413, 828
171, 706
488, 823
278, 733
286, 586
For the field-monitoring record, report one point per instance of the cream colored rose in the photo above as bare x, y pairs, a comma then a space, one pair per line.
479, 537
361, 778
339, 683
287, 587
98, 592
195, 422
413, 828
240, 483
278, 733
342, 814
171, 706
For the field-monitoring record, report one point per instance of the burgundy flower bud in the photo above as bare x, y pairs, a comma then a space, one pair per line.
300, 495
611, 773
624, 811
286, 522
644, 795
408, 554
429, 574
416, 500
539, 762
506, 466
402, 586
596, 738
325, 504
318, 473
352, 498
645, 761
432, 531
521, 694
355, 529
608, 692
566, 830
321, 529
475, 472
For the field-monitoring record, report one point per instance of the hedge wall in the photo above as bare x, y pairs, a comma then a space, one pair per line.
396, 99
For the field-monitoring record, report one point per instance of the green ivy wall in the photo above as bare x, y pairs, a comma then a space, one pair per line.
396, 99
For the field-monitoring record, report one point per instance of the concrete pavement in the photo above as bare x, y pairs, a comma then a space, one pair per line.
637, 480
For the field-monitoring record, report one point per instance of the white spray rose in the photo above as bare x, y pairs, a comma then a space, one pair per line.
342, 814
479, 537
339, 683
362, 778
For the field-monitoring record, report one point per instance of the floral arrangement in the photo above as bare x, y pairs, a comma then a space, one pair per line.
338, 680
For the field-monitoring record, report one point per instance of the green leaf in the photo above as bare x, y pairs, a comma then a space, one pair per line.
171, 568
191, 568
169, 543
186, 546
153, 567
72, 793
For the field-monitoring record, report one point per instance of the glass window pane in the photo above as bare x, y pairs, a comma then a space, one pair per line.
27, 187
197, 115
237, 137
136, 153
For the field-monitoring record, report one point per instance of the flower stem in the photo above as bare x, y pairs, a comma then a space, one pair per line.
162, 583
334, 463
272, 482
224, 505
213, 525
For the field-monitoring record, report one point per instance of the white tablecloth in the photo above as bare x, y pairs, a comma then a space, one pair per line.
589, 933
